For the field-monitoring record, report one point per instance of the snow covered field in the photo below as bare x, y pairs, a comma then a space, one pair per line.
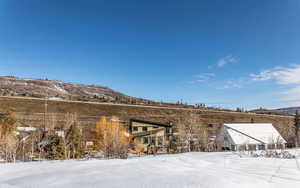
190, 170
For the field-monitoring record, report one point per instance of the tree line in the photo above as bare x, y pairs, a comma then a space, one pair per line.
66, 141
110, 138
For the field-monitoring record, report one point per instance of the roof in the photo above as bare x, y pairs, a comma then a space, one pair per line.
253, 133
2, 116
149, 122
26, 129
146, 133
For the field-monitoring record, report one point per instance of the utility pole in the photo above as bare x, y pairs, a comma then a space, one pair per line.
45, 112
44, 128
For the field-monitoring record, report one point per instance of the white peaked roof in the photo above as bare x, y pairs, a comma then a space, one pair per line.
253, 133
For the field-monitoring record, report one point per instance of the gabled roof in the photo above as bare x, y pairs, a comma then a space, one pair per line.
253, 133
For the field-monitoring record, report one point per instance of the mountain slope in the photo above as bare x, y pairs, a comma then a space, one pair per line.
12, 86
289, 111
279, 111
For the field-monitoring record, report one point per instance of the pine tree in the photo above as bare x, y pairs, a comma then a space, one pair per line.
297, 127
75, 140
55, 149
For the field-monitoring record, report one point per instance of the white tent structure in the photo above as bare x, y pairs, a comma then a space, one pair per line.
249, 136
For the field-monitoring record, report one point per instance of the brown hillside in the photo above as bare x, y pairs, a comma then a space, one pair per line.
31, 111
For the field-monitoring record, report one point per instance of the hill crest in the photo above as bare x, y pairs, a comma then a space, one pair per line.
53, 89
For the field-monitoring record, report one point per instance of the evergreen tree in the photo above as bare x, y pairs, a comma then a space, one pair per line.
297, 127
55, 149
74, 140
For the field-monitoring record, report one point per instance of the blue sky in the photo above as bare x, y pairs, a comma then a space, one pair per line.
226, 53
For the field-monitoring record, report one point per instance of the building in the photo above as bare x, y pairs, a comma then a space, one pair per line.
59, 132
151, 135
26, 128
2, 116
249, 136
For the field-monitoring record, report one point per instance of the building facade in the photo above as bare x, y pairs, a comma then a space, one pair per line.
151, 135
249, 136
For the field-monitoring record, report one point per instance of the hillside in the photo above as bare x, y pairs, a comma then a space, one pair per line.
268, 111
289, 111
280, 111
57, 90
51, 89
31, 111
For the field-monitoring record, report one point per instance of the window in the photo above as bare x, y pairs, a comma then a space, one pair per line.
146, 140
139, 140
271, 146
251, 147
167, 130
280, 146
135, 128
242, 147
160, 140
261, 147
144, 128
152, 140
226, 138
233, 147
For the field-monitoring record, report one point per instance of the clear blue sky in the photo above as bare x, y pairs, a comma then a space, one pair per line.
228, 53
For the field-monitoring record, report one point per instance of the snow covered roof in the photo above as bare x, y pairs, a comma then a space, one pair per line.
253, 133
26, 129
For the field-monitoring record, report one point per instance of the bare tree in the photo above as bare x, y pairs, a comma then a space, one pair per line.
297, 128
11, 148
113, 138
8, 138
193, 136
70, 119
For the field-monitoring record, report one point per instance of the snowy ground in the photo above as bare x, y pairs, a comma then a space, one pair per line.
190, 170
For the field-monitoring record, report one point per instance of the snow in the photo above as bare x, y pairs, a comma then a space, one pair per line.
55, 98
26, 129
189, 170
264, 132
59, 89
